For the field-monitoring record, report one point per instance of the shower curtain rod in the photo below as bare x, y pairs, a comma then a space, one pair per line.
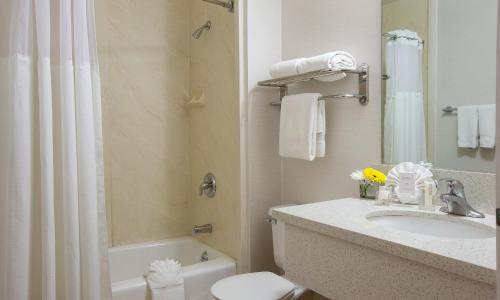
391, 36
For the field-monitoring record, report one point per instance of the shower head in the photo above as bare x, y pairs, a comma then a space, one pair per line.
229, 4
198, 32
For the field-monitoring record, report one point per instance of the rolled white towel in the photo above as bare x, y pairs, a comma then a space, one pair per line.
165, 279
331, 60
285, 68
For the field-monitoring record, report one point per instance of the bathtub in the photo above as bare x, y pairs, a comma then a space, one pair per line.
128, 263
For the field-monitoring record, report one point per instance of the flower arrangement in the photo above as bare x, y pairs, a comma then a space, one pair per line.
369, 181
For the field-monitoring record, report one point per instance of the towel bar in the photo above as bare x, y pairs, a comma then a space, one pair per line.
449, 109
361, 98
283, 82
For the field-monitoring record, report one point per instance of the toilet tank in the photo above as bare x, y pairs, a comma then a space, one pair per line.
278, 229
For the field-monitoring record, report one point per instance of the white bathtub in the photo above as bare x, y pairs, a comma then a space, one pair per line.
128, 263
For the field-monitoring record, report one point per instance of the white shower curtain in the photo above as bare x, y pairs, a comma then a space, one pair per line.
52, 213
404, 119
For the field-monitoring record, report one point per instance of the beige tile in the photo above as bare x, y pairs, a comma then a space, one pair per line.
214, 128
144, 58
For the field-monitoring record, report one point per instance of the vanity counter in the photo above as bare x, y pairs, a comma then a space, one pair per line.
346, 219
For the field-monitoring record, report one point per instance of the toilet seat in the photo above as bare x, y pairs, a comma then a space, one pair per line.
251, 286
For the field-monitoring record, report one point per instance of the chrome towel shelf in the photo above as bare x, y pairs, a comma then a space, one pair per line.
283, 83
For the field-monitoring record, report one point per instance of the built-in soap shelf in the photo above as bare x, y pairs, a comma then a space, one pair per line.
362, 72
197, 98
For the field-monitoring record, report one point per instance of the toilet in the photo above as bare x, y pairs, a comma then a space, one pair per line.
261, 285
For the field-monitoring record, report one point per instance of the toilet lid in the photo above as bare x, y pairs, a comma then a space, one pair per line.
251, 286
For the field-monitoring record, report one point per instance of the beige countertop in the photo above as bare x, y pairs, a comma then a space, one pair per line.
346, 219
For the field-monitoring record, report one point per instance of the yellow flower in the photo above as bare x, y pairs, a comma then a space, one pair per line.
374, 175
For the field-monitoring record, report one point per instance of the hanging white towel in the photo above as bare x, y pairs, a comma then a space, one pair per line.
299, 126
487, 125
165, 280
467, 118
321, 130
285, 68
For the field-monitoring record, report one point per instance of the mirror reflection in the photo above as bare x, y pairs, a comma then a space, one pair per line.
439, 83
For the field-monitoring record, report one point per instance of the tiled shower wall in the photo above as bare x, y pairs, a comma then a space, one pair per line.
157, 148
144, 58
214, 127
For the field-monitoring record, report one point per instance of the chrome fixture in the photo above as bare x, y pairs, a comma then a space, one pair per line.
449, 109
208, 186
207, 228
455, 200
204, 256
199, 31
229, 4
272, 221
362, 73
394, 37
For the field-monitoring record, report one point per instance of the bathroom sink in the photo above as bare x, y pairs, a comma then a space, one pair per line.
444, 226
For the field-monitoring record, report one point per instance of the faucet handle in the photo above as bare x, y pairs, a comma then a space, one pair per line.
452, 186
208, 185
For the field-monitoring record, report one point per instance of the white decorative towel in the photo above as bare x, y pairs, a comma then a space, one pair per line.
285, 68
299, 126
165, 280
422, 174
467, 118
487, 124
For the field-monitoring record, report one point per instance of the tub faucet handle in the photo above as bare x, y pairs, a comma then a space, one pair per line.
208, 185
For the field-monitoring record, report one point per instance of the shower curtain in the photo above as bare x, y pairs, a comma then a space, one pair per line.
52, 213
404, 119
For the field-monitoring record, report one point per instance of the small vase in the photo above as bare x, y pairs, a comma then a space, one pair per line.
368, 189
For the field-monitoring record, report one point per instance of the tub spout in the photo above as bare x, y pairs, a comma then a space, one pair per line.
207, 228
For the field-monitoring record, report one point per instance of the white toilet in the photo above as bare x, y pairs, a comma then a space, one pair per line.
260, 285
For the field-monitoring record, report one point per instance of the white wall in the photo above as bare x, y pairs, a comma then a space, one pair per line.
263, 163
279, 30
353, 131
464, 66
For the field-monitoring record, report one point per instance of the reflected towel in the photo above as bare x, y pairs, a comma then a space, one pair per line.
467, 118
487, 125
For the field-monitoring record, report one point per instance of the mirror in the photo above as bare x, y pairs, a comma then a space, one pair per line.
439, 83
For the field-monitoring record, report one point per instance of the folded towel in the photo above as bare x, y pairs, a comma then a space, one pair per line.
487, 124
299, 126
165, 280
467, 118
331, 60
321, 130
285, 68
332, 78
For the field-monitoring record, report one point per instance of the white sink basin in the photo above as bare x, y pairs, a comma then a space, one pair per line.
451, 227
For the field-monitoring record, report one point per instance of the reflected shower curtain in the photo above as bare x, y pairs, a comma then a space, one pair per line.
404, 120
52, 213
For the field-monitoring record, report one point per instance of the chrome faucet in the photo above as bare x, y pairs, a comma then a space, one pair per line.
204, 256
207, 228
455, 200
208, 186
